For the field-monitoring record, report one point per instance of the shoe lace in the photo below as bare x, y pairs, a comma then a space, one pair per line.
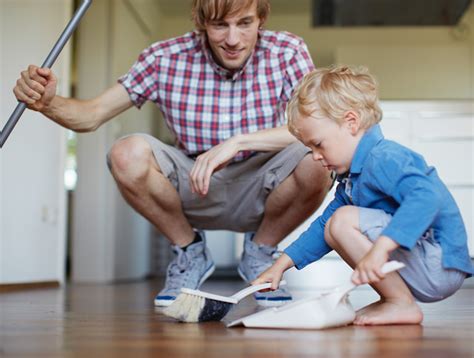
177, 268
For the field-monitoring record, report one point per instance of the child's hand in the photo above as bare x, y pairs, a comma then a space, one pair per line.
274, 273
368, 270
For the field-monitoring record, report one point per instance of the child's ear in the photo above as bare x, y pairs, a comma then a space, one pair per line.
352, 121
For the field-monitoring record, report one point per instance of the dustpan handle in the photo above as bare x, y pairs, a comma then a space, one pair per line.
50, 59
388, 267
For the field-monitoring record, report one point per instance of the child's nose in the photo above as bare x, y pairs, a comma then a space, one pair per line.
317, 156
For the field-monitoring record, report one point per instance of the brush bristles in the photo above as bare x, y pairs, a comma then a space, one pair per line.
214, 310
186, 308
191, 308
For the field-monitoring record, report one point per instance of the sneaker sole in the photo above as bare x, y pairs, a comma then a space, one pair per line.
167, 302
274, 302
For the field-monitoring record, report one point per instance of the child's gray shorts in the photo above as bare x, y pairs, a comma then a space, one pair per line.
237, 193
424, 273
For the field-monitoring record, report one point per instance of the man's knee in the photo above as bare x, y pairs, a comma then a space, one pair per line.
312, 177
343, 219
129, 159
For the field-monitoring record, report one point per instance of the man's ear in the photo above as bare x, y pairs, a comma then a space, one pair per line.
352, 121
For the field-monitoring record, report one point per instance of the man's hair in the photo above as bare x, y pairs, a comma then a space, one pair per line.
204, 11
334, 91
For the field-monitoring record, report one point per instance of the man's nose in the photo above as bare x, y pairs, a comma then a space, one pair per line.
233, 37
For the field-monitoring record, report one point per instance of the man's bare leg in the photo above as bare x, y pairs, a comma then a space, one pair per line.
145, 188
397, 305
293, 201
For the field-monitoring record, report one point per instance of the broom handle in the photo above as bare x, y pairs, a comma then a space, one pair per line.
53, 55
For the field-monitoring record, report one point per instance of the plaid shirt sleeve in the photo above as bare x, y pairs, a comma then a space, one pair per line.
140, 81
299, 64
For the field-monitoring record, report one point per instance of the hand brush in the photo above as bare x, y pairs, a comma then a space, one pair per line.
198, 306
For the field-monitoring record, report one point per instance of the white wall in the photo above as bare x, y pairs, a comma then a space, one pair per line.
110, 240
32, 196
411, 62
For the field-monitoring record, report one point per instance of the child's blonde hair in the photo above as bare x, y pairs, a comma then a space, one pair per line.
333, 91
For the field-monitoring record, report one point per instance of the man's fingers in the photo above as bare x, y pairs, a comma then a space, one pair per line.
200, 176
45, 72
29, 92
195, 178
33, 74
42, 75
22, 97
31, 88
207, 176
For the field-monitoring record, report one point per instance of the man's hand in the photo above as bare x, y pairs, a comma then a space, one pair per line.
209, 162
368, 270
274, 273
36, 87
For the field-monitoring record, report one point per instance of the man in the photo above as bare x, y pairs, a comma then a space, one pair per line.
223, 91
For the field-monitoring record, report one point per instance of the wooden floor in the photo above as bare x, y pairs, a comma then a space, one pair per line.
120, 321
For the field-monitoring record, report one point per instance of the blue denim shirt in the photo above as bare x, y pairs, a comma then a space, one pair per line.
388, 176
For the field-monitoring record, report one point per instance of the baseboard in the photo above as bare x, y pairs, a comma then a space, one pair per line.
12, 287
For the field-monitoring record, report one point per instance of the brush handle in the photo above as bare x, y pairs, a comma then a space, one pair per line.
252, 289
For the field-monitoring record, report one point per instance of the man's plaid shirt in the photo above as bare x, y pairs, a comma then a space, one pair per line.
205, 104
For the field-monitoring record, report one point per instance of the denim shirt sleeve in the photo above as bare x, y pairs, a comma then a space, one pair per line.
409, 181
311, 246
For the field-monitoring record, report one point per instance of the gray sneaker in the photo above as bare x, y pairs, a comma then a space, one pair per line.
189, 269
256, 259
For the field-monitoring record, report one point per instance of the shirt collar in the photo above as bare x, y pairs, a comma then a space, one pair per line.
368, 141
221, 71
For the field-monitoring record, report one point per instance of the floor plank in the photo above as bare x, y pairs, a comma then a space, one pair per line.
119, 320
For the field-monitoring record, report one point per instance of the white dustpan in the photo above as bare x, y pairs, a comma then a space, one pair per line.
328, 309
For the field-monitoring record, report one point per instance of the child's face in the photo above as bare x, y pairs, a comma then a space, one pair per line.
332, 144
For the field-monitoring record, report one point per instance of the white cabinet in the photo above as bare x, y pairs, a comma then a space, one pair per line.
443, 132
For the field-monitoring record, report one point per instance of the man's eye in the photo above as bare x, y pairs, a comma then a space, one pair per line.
246, 22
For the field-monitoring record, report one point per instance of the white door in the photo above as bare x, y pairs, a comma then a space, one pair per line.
32, 195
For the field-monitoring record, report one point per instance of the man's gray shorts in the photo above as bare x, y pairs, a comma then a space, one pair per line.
424, 273
237, 193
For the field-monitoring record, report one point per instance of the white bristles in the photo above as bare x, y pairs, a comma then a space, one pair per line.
186, 307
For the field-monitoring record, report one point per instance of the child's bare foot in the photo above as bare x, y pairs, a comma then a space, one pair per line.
370, 307
389, 312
